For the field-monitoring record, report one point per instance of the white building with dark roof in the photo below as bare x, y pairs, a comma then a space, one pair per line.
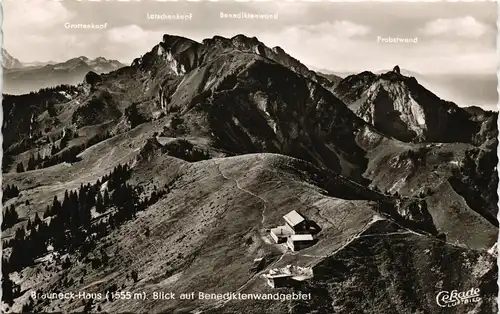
299, 241
295, 232
280, 234
278, 280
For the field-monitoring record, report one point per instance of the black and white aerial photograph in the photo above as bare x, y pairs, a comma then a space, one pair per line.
249, 157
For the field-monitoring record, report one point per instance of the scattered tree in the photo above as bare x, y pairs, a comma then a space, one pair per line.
31, 163
20, 167
135, 276
51, 110
10, 191
10, 217
9, 289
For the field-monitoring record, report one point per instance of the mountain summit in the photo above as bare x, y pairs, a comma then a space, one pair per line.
184, 54
9, 62
399, 106
244, 97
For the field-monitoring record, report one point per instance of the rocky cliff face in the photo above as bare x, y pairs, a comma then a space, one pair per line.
245, 97
399, 106
183, 54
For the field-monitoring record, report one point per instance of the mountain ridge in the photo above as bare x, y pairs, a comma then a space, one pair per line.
403, 108
179, 45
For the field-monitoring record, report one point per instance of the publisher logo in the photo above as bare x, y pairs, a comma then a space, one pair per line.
454, 298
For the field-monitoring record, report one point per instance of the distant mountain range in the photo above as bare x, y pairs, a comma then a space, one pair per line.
330, 72
22, 78
169, 174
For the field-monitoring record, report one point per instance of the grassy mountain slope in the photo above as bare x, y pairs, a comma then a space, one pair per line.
221, 139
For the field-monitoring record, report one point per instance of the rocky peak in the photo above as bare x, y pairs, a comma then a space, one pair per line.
214, 41
351, 88
102, 59
276, 54
173, 41
399, 106
278, 50
92, 78
9, 62
150, 148
364, 76
245, 42
177, 54
181, 55
240, 42
394, 76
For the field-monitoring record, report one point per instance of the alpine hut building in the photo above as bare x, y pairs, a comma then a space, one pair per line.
295, 232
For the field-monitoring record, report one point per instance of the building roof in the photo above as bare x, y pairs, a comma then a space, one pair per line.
293, 218
301, 237
282, 231
273, 276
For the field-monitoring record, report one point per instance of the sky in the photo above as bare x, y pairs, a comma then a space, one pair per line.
342, 37
454, 38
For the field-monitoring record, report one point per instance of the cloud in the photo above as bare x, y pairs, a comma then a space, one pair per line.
344, 46
340, 29
323, 45
130, 42
466, 26
134, 35
126, 34
339, 37
473, 62
34, 14
26, 26
300, 40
